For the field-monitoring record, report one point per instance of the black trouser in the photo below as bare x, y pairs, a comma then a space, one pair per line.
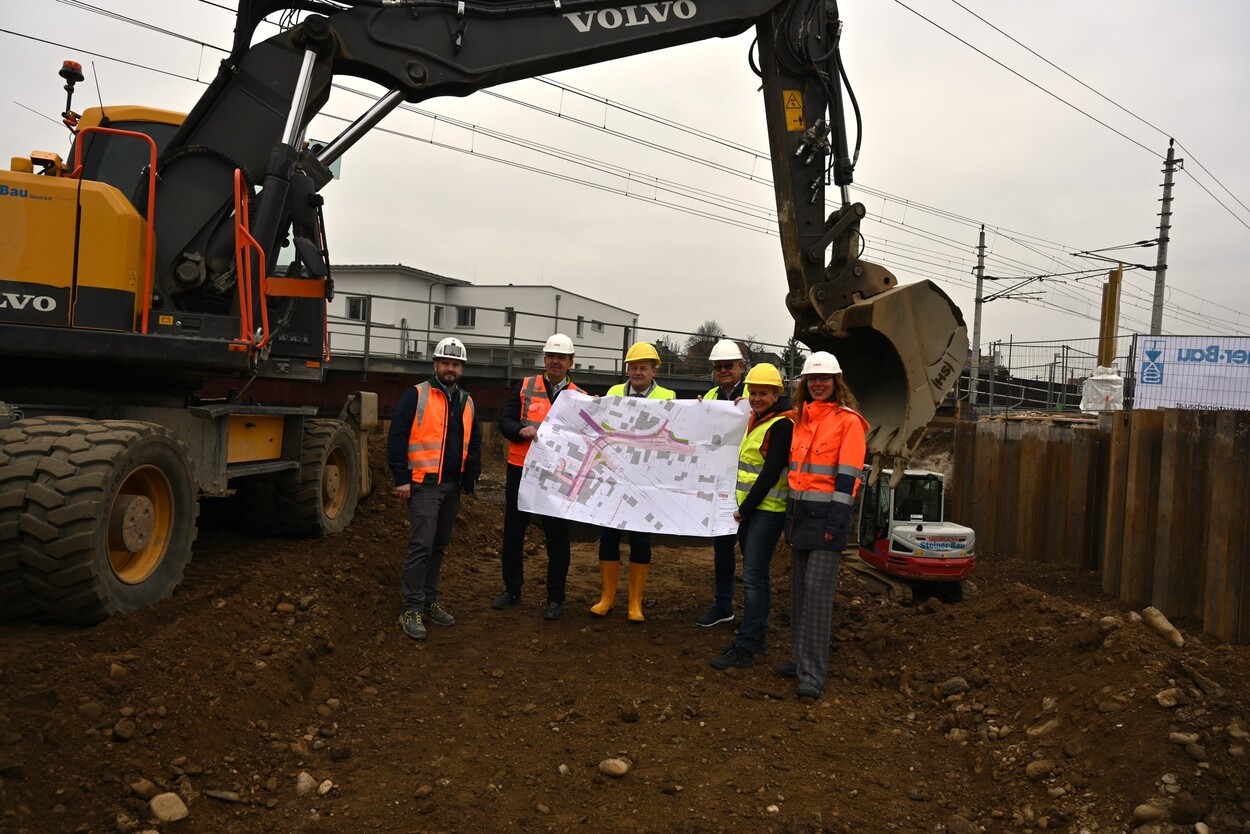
515, 523
432, 511
610, 546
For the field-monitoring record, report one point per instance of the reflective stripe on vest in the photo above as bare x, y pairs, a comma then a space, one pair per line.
534, 407
827, 443
429, 432
818, 497
751, 463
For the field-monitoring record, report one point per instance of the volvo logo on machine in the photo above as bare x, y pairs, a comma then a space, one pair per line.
21, 301
642, 14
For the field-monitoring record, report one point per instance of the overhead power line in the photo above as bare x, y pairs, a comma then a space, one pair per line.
677, 190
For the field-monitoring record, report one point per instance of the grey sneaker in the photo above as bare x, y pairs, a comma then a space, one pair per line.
410, 622
439, 615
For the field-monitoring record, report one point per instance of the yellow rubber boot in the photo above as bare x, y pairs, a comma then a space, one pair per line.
610, 573
637, 581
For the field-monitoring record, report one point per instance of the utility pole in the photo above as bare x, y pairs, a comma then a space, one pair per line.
975, 375
1165, 225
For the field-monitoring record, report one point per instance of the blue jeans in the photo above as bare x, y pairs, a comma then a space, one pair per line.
758, 537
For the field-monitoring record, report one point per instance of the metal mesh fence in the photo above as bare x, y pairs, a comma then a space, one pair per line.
1197, 372
1038, 376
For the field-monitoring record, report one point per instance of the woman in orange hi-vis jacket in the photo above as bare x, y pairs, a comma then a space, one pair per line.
826, 464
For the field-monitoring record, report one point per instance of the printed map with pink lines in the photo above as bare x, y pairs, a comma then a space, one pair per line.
658, 466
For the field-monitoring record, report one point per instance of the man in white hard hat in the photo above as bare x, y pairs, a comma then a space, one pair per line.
727, 367
434, 450
522, 414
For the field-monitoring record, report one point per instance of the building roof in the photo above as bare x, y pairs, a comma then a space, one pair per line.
553, 288
404, 270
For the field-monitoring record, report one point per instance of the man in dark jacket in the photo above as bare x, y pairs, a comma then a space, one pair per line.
434, 450
518, 422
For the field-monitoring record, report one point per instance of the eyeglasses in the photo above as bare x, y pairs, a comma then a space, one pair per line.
723, 366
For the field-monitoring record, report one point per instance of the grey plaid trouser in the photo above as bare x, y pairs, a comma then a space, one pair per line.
813, 581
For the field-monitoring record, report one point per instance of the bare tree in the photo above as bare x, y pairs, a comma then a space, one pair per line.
670, 352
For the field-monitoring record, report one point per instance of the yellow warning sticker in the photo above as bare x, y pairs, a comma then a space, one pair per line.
166, 320
794, 109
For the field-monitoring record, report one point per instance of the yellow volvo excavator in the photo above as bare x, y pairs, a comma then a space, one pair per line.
144, 264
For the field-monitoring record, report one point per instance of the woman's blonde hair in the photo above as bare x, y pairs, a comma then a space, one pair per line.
842, 395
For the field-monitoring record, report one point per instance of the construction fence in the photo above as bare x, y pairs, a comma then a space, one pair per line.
1158, 372
1154, 500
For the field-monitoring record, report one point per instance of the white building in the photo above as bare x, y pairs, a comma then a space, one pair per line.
396, 310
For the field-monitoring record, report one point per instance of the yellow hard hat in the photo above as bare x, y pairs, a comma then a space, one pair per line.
765, 374
639, 351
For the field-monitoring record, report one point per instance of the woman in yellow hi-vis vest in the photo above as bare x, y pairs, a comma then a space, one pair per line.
641, 363
763, 459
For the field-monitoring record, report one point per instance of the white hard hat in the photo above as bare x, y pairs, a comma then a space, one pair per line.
726, 350
821, 362
559, 343
451, 348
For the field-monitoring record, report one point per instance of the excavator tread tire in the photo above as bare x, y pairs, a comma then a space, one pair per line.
319, 498
22, 445
79, 565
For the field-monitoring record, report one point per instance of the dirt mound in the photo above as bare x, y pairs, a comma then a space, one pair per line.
1037, 704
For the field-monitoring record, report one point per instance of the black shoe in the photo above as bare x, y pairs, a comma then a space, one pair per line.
505, 600
787, 669
734, 657
806, 690
715, 616
553, 611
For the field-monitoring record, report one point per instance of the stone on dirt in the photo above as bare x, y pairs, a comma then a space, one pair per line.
614, 767
1038, 768
1162, 626
304, 784
144, 789
124, 730
1169, 698
168, 807
1147, 812
92, 710
1042, 730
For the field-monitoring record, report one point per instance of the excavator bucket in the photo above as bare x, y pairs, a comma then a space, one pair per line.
901, 352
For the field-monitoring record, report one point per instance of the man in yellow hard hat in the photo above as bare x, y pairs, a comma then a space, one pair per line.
641, 364
727, 366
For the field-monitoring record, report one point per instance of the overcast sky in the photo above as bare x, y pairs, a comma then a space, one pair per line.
951, 140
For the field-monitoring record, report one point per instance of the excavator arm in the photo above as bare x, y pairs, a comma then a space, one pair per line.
901, 347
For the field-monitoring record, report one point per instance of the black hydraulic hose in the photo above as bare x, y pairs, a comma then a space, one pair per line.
485, 8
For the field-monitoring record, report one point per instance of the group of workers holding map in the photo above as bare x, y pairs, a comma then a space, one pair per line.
800, 460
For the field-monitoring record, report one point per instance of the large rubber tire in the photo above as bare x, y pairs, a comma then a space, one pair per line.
320, 497
109, 520
22, 446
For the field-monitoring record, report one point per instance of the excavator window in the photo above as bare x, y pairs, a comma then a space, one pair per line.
120, 160
918, 499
